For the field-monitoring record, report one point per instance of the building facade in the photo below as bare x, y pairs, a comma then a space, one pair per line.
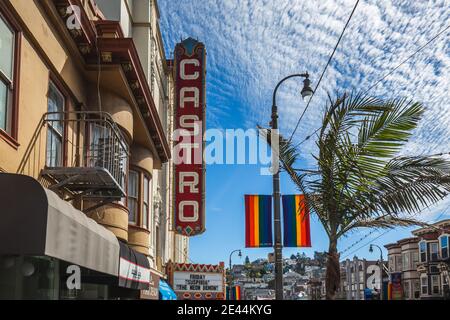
140, 21
86, 105
422, 262
357, 277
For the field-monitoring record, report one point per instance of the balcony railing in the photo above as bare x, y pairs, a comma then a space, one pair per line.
80, 153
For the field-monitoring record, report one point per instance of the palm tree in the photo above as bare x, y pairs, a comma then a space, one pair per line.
359, 181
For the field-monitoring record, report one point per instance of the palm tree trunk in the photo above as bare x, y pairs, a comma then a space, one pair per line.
333, 274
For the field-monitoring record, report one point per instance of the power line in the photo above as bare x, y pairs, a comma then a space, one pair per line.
324, 70
384, 233
378, 81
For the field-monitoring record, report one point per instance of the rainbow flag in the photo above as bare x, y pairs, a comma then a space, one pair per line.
258, 221
297, 231
236, 293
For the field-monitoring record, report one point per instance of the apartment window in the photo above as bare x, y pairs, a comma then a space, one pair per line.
415, 260
8, 60
133, 196
406, 261
434, 251
391, 263
435, 286
407, 290
424, 284
443, 241
146, 202
416, 289
55, 126
423, 251
398, 263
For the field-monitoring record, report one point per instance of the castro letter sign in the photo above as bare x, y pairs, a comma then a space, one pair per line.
190, 102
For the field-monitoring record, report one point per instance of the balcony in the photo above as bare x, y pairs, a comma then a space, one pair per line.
79, 155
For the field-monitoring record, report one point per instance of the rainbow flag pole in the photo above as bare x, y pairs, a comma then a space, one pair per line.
258, 221
296, 222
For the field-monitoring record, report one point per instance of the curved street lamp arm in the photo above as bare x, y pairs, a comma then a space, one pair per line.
302, 75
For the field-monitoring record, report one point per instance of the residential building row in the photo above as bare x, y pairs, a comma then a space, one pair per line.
86, 121
421, 263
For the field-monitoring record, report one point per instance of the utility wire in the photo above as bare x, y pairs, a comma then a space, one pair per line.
384, 233
324, 70
380, 80
406, 60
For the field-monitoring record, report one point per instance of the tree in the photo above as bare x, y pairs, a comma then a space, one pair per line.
247, 260
360, 180
293, 257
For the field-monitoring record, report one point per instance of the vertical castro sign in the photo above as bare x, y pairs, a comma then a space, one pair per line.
190, 102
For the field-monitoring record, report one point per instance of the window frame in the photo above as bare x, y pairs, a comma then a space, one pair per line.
143, 175
147, 180
435, 283
132, 173
10, 135
422, 285
50, 128
434, 245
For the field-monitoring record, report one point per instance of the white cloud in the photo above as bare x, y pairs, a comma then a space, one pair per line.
254, 43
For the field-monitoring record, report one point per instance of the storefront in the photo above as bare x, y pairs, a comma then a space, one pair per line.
49, 250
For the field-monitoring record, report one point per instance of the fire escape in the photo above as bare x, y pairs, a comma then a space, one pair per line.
80, 156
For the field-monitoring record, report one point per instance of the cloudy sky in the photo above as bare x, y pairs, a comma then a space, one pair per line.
252, 44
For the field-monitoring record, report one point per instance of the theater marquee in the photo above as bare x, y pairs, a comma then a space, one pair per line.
190, 102
197, 281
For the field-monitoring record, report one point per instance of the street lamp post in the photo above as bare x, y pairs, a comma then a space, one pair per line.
306, 92
381, 267
231, 277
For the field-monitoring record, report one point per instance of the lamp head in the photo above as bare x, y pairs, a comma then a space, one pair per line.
307, 91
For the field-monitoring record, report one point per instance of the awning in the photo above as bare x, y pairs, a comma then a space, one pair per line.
166, 291
134, 269
36, 222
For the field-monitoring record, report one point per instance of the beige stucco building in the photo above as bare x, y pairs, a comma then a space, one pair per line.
86, 112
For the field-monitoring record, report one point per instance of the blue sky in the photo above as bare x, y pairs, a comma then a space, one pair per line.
252, 44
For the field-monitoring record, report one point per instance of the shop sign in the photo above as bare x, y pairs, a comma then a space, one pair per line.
198, 282
153, 292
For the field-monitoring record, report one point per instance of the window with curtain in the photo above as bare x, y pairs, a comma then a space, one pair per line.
55, 127
7, 43
133, 196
